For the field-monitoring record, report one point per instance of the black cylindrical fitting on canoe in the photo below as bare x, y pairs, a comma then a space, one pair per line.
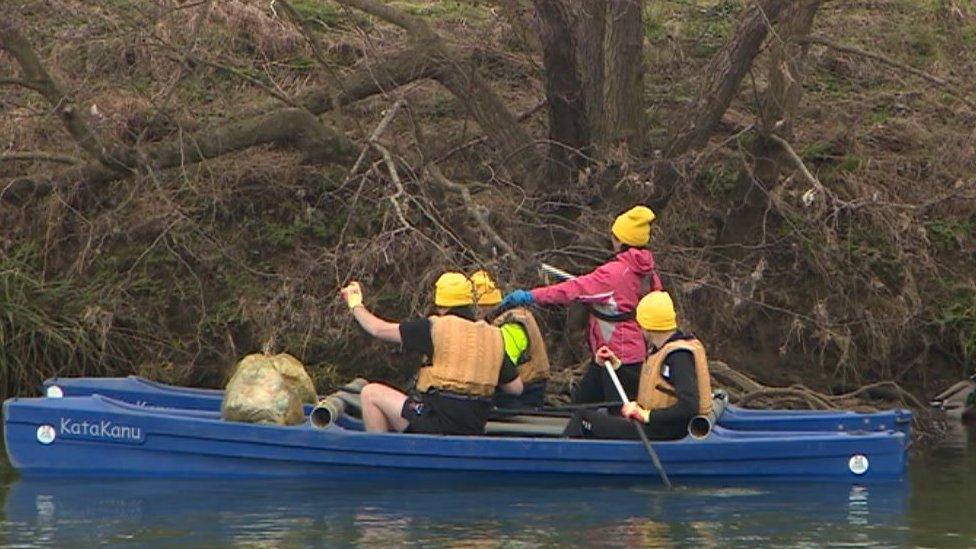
327, 411
701, 426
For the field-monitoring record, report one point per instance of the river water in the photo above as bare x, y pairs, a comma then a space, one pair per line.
934, 507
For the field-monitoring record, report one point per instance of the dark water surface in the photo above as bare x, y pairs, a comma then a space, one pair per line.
934, 507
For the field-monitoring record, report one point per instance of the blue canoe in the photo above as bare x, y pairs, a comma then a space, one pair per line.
99, 436
138, 390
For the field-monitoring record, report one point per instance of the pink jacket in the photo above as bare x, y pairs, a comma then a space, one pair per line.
612, 289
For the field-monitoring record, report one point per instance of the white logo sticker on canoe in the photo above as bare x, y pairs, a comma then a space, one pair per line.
45, 434
858, 464
54, 392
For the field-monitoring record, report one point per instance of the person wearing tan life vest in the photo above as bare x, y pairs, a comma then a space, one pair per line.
463, 362
674, 384
523, 339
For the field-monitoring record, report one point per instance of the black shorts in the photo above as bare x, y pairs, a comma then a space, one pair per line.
445, 414
533, 396
594, 424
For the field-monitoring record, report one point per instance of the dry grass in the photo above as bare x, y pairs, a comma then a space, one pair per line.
251, 248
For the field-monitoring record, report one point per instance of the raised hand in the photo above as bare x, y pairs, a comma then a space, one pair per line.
353, 294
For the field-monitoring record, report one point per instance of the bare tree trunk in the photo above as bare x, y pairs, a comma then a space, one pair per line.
588, 34
569, 123
723, 76
515, 147
593, 54
787, 65
781, 99
623, 87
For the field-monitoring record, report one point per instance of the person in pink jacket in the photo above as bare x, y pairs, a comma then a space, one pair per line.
612, 292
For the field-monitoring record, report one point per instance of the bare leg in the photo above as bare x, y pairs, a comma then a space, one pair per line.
381, 408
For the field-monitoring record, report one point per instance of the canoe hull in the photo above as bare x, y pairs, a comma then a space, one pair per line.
142, 391
97, 436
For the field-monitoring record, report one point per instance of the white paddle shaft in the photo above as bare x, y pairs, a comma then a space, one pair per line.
616, 381
557, 272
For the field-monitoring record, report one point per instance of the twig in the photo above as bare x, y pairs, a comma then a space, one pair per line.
949, 87
391, 167
477, 211
797, 161
380, 128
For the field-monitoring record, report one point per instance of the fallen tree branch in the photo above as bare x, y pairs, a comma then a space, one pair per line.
295, 127
37, 78
882, 387
400, 69
785, 392
40, 156
522, 117
949, 87
516, 149
23, 83
728, 376
316, 47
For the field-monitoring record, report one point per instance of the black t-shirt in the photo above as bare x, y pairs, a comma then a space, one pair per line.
416, 338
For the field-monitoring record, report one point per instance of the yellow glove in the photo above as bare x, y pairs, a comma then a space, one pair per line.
632, 410
353, 294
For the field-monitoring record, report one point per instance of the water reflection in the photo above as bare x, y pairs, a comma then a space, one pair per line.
460, 514
943, 502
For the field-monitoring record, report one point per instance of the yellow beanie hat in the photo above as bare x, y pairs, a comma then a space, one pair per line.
633, 227
453, 290
655, 312
486, 292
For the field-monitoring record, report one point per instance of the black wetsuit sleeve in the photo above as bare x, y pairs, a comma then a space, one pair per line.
416, 337
509, 371
685, 382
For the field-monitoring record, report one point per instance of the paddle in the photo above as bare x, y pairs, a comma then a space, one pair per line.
638, 428
556, 272
555, 411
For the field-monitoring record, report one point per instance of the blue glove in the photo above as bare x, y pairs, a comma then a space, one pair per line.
518, 298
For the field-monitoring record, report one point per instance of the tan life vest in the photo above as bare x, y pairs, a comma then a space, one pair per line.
535, 360
654, 392
467, 357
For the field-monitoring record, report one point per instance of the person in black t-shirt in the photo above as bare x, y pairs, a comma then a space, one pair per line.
674, 383
464, 362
